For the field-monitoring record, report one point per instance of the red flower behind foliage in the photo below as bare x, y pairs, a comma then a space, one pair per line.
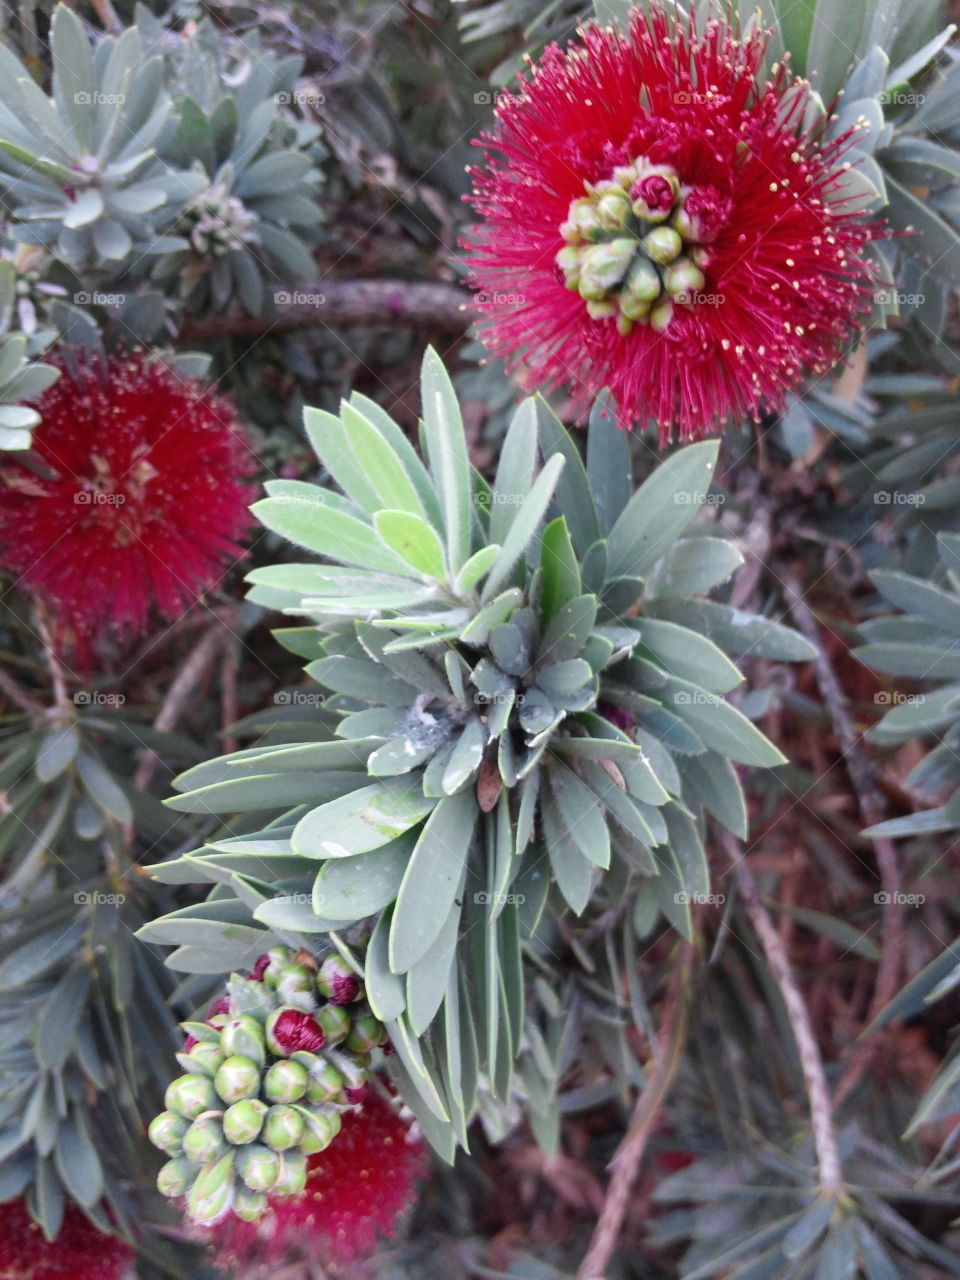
80, 1251
658, 220
355, 1192
137, 501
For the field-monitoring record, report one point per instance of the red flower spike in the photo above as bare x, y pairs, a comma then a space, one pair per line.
80, 1251
355, 1192
656, 219
137, 503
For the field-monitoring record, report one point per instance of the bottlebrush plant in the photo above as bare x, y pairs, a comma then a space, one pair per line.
520, 693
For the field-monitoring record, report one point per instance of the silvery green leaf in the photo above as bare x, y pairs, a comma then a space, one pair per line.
515, 469
367, 818
353, 888
523, 528
692, 567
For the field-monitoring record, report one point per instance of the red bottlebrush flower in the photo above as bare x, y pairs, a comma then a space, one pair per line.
657, 219
355, 1193
80, 1251
137, 500
293, 1031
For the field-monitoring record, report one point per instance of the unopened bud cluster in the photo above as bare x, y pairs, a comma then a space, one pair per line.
635, 244
264, 1088
219, 223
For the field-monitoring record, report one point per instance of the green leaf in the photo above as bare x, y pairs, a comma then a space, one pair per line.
446, 449
413, 540
428, 979
381, 465
57, 752
714, 784
661, 509
573, 490
518, 456
608, 461
328, 532
432, 879
353, 888
61, 1015
920, 662
692, 567
719, 725
365, 819
77, 1162
572, 870
916, 596
385, 990
736, 631
559, 569
523, 528
103, 788
689, 656
580, 814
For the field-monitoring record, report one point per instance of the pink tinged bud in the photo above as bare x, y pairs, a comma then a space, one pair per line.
334, 1021
219, 1006
289, 1030
277, 960
337, 981
258, 970
237, 1078
653, 197
707, 213
166, 1132
258, 1166
190, 1095
176, 1177
357, 1095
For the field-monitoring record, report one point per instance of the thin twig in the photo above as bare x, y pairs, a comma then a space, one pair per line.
187, 679
626, 1163
345, 302
873, 810
58, 678
20, 697
811, 1062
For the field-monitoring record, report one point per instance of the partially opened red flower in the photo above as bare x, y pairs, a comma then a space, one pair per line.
657, 219
80, 1251
356, 1191
132, 499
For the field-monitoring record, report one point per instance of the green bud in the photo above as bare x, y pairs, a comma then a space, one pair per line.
601, 310
568, 259
286, 1081
203, 1058
326, 1083
237, 1078
335, 1021
613, 211
603, 266
633, 309
642, 283
249, 1205
365, 1034
625, 176
321, 1128
166, 1132
204, 1142
295, 986
212, 1193
280, 957
190, 1095
258, 1166
243, 1037
624, 325
293, 1174
243, 1121
662, 244
283, 1128
583, 215
661, 315
355, 1067
200, 1031
176, 1177
683, 278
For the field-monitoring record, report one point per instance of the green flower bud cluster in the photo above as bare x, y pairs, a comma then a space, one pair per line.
217, 223
264, 1089
632, 250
